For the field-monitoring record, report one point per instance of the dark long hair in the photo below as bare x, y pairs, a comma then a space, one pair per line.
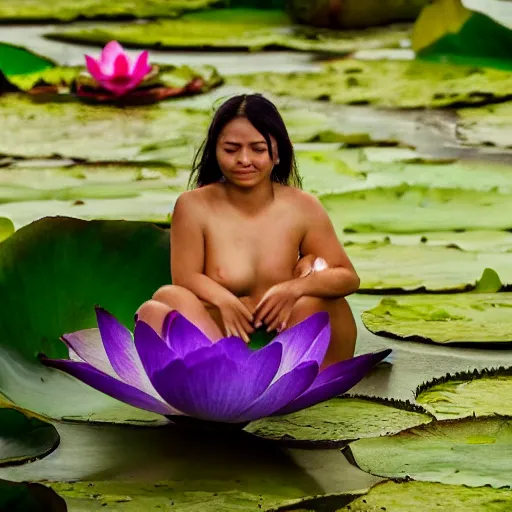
265, 117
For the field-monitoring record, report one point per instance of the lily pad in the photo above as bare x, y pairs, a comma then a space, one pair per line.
388, 83
6, 228
468, 394
486, 126
52, 273
28, 497
17, 60
471, 451
412, 209
234, 29
24, 439
419, 268
430, 497
337, 421
69, 10
457, 318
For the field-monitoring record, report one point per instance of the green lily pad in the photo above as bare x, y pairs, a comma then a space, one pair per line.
24, 439
412, 209
6, 228
471, 451
28, 497
430, 497
388, 83
468, 394
52, 273
234, 29
420, 268
457, 318
337, 421
69, 10
486, 126
15, 60
446, 31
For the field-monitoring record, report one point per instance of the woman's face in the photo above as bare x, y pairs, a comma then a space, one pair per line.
243, 155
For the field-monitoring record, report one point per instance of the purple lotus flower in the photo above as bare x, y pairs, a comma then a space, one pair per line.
186, 374
115, 71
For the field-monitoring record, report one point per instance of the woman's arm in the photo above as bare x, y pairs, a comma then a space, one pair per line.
187, 252
340, 278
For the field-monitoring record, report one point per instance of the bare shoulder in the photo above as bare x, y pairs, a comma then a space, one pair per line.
196, 200
303, 202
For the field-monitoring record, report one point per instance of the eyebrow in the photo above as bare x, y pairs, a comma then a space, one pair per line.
252, 143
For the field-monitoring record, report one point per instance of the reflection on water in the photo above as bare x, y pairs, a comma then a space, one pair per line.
123, 453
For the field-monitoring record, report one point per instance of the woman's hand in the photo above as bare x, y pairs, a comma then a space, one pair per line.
275, 307
237, 317
304, 266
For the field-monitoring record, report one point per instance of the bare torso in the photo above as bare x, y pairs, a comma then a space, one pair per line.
248, 254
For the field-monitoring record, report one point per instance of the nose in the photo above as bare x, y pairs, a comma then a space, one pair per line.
243, 157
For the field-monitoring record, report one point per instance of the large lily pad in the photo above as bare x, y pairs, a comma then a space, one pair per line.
468, 394
24, 439
52, 273
486, 126
68, 10
16, 60
412, 209
430, 497
471, 451
234, 29
387, 267
28, 497
339, 420
457, 318
388, 83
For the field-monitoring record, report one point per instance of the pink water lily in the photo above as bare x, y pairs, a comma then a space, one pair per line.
115, 71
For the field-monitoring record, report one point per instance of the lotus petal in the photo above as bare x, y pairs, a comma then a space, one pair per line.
334, 380
284, 390
140, 67
121, 351
233, 348
88, 346
218, 388
121, 66
110, 386
109, 55
152, 350
305, 341
183, 337
94, 68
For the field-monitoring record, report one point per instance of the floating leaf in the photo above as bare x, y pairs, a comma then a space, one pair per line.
24, 439
430, 497
234, 29
69, 10
6, 228
490, 282
410, 209
15, 60
420, 268
27, 497
387, 83
52, 273
457, 318
472, 452
468, 394
486, 126
446, 31
339, 420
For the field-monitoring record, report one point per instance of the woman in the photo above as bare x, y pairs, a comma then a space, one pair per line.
235, 238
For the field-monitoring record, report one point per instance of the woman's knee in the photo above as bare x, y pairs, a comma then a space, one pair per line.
173, 296
153, 313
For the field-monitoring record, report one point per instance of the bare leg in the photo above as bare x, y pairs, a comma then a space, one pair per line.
172, 297
343, 326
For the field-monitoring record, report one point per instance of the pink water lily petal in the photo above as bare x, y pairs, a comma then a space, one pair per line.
140, 68
109, 55
281, 392
151, 348
110, 386
306, 341
121, 351
88, 346
94, 68
335, 380
121, 66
